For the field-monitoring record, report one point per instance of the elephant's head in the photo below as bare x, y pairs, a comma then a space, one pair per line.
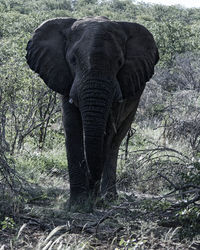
94, 62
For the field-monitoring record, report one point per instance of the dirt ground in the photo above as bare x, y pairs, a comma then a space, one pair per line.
134, 221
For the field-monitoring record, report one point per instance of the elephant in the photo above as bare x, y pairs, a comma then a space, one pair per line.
100, 68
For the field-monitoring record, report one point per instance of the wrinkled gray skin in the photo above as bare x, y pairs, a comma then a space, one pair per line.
100, 68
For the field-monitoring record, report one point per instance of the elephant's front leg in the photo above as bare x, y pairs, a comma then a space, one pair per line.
79, 192
116, 131
108, 184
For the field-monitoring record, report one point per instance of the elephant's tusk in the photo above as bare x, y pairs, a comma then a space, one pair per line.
114, 127
71, 101
113, 122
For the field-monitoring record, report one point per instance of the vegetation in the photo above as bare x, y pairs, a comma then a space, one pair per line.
159, 162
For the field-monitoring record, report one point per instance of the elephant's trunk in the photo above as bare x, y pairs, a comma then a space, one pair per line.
95, 102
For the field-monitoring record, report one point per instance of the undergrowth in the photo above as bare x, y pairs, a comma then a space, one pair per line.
153, 211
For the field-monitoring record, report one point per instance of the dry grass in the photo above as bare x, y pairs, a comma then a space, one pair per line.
132, 222
143, 217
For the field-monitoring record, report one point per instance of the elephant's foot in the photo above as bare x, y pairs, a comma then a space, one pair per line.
81, 203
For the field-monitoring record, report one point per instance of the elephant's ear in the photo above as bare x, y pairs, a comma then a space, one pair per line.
141, 55
46, 54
